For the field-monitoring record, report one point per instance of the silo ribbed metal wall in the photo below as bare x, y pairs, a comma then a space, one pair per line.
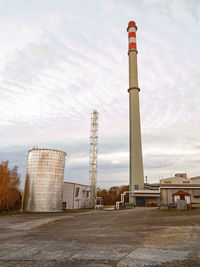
44, 180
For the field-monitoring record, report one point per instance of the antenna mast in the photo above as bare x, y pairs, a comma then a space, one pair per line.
93, 154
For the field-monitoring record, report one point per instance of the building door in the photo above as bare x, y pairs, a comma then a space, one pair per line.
182, 197
64, 205
140, 201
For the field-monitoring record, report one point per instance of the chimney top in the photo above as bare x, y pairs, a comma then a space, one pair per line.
131, 23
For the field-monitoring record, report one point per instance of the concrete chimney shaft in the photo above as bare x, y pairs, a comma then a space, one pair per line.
136, 162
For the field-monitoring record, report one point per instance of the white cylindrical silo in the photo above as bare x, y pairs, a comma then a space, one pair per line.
43, 190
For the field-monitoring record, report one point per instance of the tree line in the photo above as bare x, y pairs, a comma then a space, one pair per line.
113, 194
10, 196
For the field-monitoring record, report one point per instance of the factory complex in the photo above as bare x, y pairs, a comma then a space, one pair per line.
46, 191
169, 191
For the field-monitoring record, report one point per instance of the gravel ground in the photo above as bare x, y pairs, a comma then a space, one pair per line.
136, 237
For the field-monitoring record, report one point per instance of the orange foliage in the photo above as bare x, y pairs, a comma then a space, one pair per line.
9, 187
113, 194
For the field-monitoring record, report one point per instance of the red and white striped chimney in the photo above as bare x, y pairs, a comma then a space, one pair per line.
132, 28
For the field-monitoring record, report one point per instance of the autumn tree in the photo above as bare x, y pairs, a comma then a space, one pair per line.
104, 194
10, 196
113, 194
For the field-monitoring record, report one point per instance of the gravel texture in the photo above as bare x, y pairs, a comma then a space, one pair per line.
136, 237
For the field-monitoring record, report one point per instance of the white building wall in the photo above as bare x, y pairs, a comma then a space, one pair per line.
68, 194
76, 196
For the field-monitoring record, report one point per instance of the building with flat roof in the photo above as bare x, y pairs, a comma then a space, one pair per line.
76, 196
147, 198
180, 187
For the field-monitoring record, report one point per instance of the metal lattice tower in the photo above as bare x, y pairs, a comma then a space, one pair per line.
93, 153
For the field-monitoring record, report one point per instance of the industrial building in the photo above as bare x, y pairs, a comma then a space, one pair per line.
147, 198
43, 190
180, 187
76, 196
169, 191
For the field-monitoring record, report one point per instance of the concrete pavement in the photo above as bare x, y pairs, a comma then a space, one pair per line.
138, 237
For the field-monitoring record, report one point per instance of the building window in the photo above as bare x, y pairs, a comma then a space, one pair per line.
186, 182
168, 182
87, 193
77, 191
64, 205
136, 187
196, 192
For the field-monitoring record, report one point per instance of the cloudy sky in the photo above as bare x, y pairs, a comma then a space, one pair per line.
59, 60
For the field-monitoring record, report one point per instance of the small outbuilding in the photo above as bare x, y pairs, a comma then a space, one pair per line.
182, 195
76, 196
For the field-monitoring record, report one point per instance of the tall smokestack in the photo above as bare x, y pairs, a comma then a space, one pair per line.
136, 163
